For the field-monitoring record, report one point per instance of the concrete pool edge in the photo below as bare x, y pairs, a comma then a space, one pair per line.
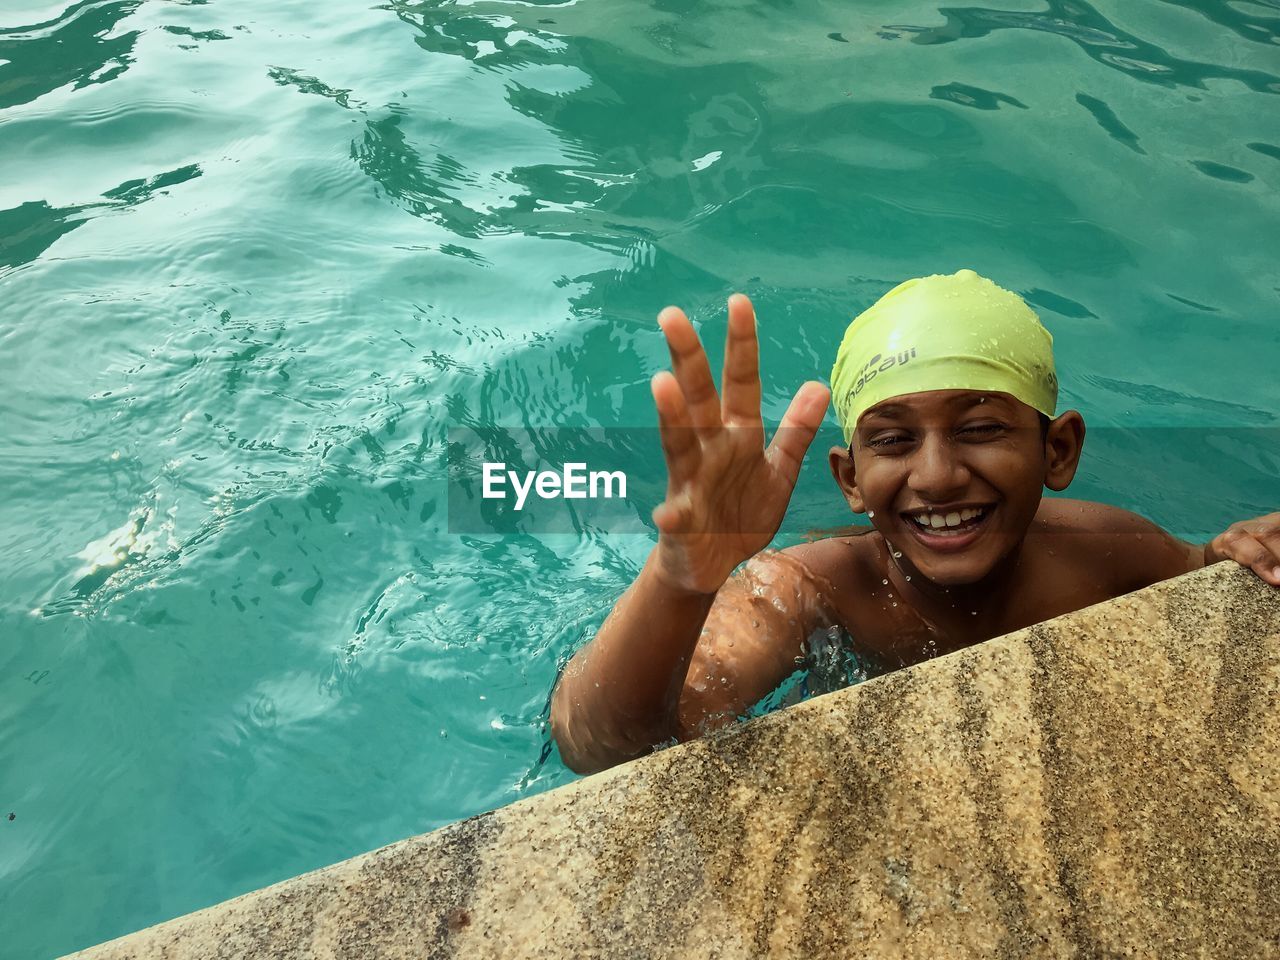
1102, 783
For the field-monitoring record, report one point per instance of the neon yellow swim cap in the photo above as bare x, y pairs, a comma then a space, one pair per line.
958, 332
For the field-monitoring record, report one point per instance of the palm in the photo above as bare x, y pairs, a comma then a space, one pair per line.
727, 491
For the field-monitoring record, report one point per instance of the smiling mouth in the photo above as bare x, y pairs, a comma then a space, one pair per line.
948, 529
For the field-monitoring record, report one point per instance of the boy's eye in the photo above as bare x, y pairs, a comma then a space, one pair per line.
888, 441
980, 431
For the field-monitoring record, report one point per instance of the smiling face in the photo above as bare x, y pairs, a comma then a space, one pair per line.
952, 478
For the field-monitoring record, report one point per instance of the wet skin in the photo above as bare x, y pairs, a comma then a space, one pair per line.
691, 644
905, 594
947, 452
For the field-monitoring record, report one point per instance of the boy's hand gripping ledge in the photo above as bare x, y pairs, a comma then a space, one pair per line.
1251, 543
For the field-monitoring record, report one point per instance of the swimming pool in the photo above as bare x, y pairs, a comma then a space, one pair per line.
257, 259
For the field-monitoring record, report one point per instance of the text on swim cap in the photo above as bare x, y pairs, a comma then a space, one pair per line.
879, 364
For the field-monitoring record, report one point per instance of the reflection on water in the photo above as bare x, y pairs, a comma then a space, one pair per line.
257, 259
81, 46
30, 229
1102, 40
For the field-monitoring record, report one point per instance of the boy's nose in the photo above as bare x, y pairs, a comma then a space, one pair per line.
937, 474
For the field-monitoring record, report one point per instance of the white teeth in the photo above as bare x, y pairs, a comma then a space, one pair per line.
956, 518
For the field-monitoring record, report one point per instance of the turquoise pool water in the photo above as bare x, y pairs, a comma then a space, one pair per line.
257, 258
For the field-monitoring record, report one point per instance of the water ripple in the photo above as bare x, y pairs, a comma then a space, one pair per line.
1082, 24
80, 47
27, 231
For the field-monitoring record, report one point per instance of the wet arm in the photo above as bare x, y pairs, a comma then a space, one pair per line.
617, 697
755, 636
668, 664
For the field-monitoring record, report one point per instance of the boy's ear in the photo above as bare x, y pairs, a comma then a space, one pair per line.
841, 461
1063, 444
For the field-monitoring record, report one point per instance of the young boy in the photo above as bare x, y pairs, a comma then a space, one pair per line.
946, 393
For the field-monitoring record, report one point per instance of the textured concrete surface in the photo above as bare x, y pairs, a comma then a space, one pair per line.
1103, 785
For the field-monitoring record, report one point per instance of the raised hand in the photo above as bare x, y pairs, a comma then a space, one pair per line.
726, 491
1251, 543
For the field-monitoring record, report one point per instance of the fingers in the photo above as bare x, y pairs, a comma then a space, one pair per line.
693, 373
1270, 538
740, 379
672, 515
680, 446
796, 432
1258, 550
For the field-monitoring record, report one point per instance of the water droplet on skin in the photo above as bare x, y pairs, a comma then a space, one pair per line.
896, 555
908, 579
885, 582
871, 514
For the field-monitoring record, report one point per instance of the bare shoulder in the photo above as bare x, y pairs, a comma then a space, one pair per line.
841, 560
1064, 515
1060, 515
1127, 547
758, 627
